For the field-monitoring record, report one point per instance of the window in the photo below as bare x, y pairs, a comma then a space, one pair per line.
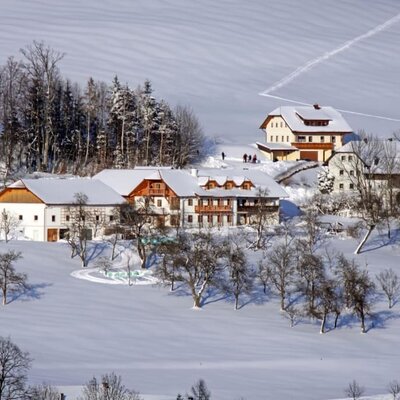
287, 139
276, 138
350, 158
272, 138
209, 218
190, 218
341, 172
301, 139
20, 217
343, 158
35, 217
283, 138
53, 218
67, 218
159, 203
351, 186
111, 218
200, 219
322, 139
281, 124
219, 219
97, 218
333, 139
229, 218
310, 138
190, 202
341, 186
351, 173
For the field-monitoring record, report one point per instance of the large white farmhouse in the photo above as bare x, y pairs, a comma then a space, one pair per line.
209, 197
303, 132
42, 207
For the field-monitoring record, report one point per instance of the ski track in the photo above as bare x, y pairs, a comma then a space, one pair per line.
312, 63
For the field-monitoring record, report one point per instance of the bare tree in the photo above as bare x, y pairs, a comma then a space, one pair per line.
390, 285
198, 262
394, 389
261, 220
104, 264
354, 390
79, 231
292, 314
9, 278
200, 391
8, 223
41, 66
329, 301
43, 392
358, 288
281, 269
136, 220
239, 274
189, 138
110, 387
14, 365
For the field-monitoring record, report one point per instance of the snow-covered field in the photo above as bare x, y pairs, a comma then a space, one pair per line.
75, 328
219, 55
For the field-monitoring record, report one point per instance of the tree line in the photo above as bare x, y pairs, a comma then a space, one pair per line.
48, 123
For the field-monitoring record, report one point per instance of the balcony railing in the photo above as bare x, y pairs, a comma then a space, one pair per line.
255, 208
157, 192
213, 209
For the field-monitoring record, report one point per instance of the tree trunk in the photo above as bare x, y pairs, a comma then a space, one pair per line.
360, 246
336, 319
362, 316
323, 324
282, 301
236, 301
4, 290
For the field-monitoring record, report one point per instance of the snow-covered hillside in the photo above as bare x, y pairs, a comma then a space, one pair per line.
219, 55
75, 328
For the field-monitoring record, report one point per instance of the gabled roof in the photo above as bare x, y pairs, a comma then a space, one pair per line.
55, 191
294, 116
123, 181
259, 179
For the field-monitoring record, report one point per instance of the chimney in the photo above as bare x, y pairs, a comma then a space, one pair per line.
317, 106
193, 172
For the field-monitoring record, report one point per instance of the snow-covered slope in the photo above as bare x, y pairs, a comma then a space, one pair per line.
74, 329
219, 55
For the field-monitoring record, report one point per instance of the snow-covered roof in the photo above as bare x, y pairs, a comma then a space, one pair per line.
189, 184
123, 181
63, 191
260, 180
292, 116
182, 182
268, 146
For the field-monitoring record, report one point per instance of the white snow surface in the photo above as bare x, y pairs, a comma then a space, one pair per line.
218, 56
75, 329
63, 191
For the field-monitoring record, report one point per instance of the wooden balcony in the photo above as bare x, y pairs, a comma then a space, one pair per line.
313, 145
157, 192
254, 209
213, 209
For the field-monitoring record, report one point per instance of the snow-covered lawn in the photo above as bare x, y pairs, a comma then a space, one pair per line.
75, 328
